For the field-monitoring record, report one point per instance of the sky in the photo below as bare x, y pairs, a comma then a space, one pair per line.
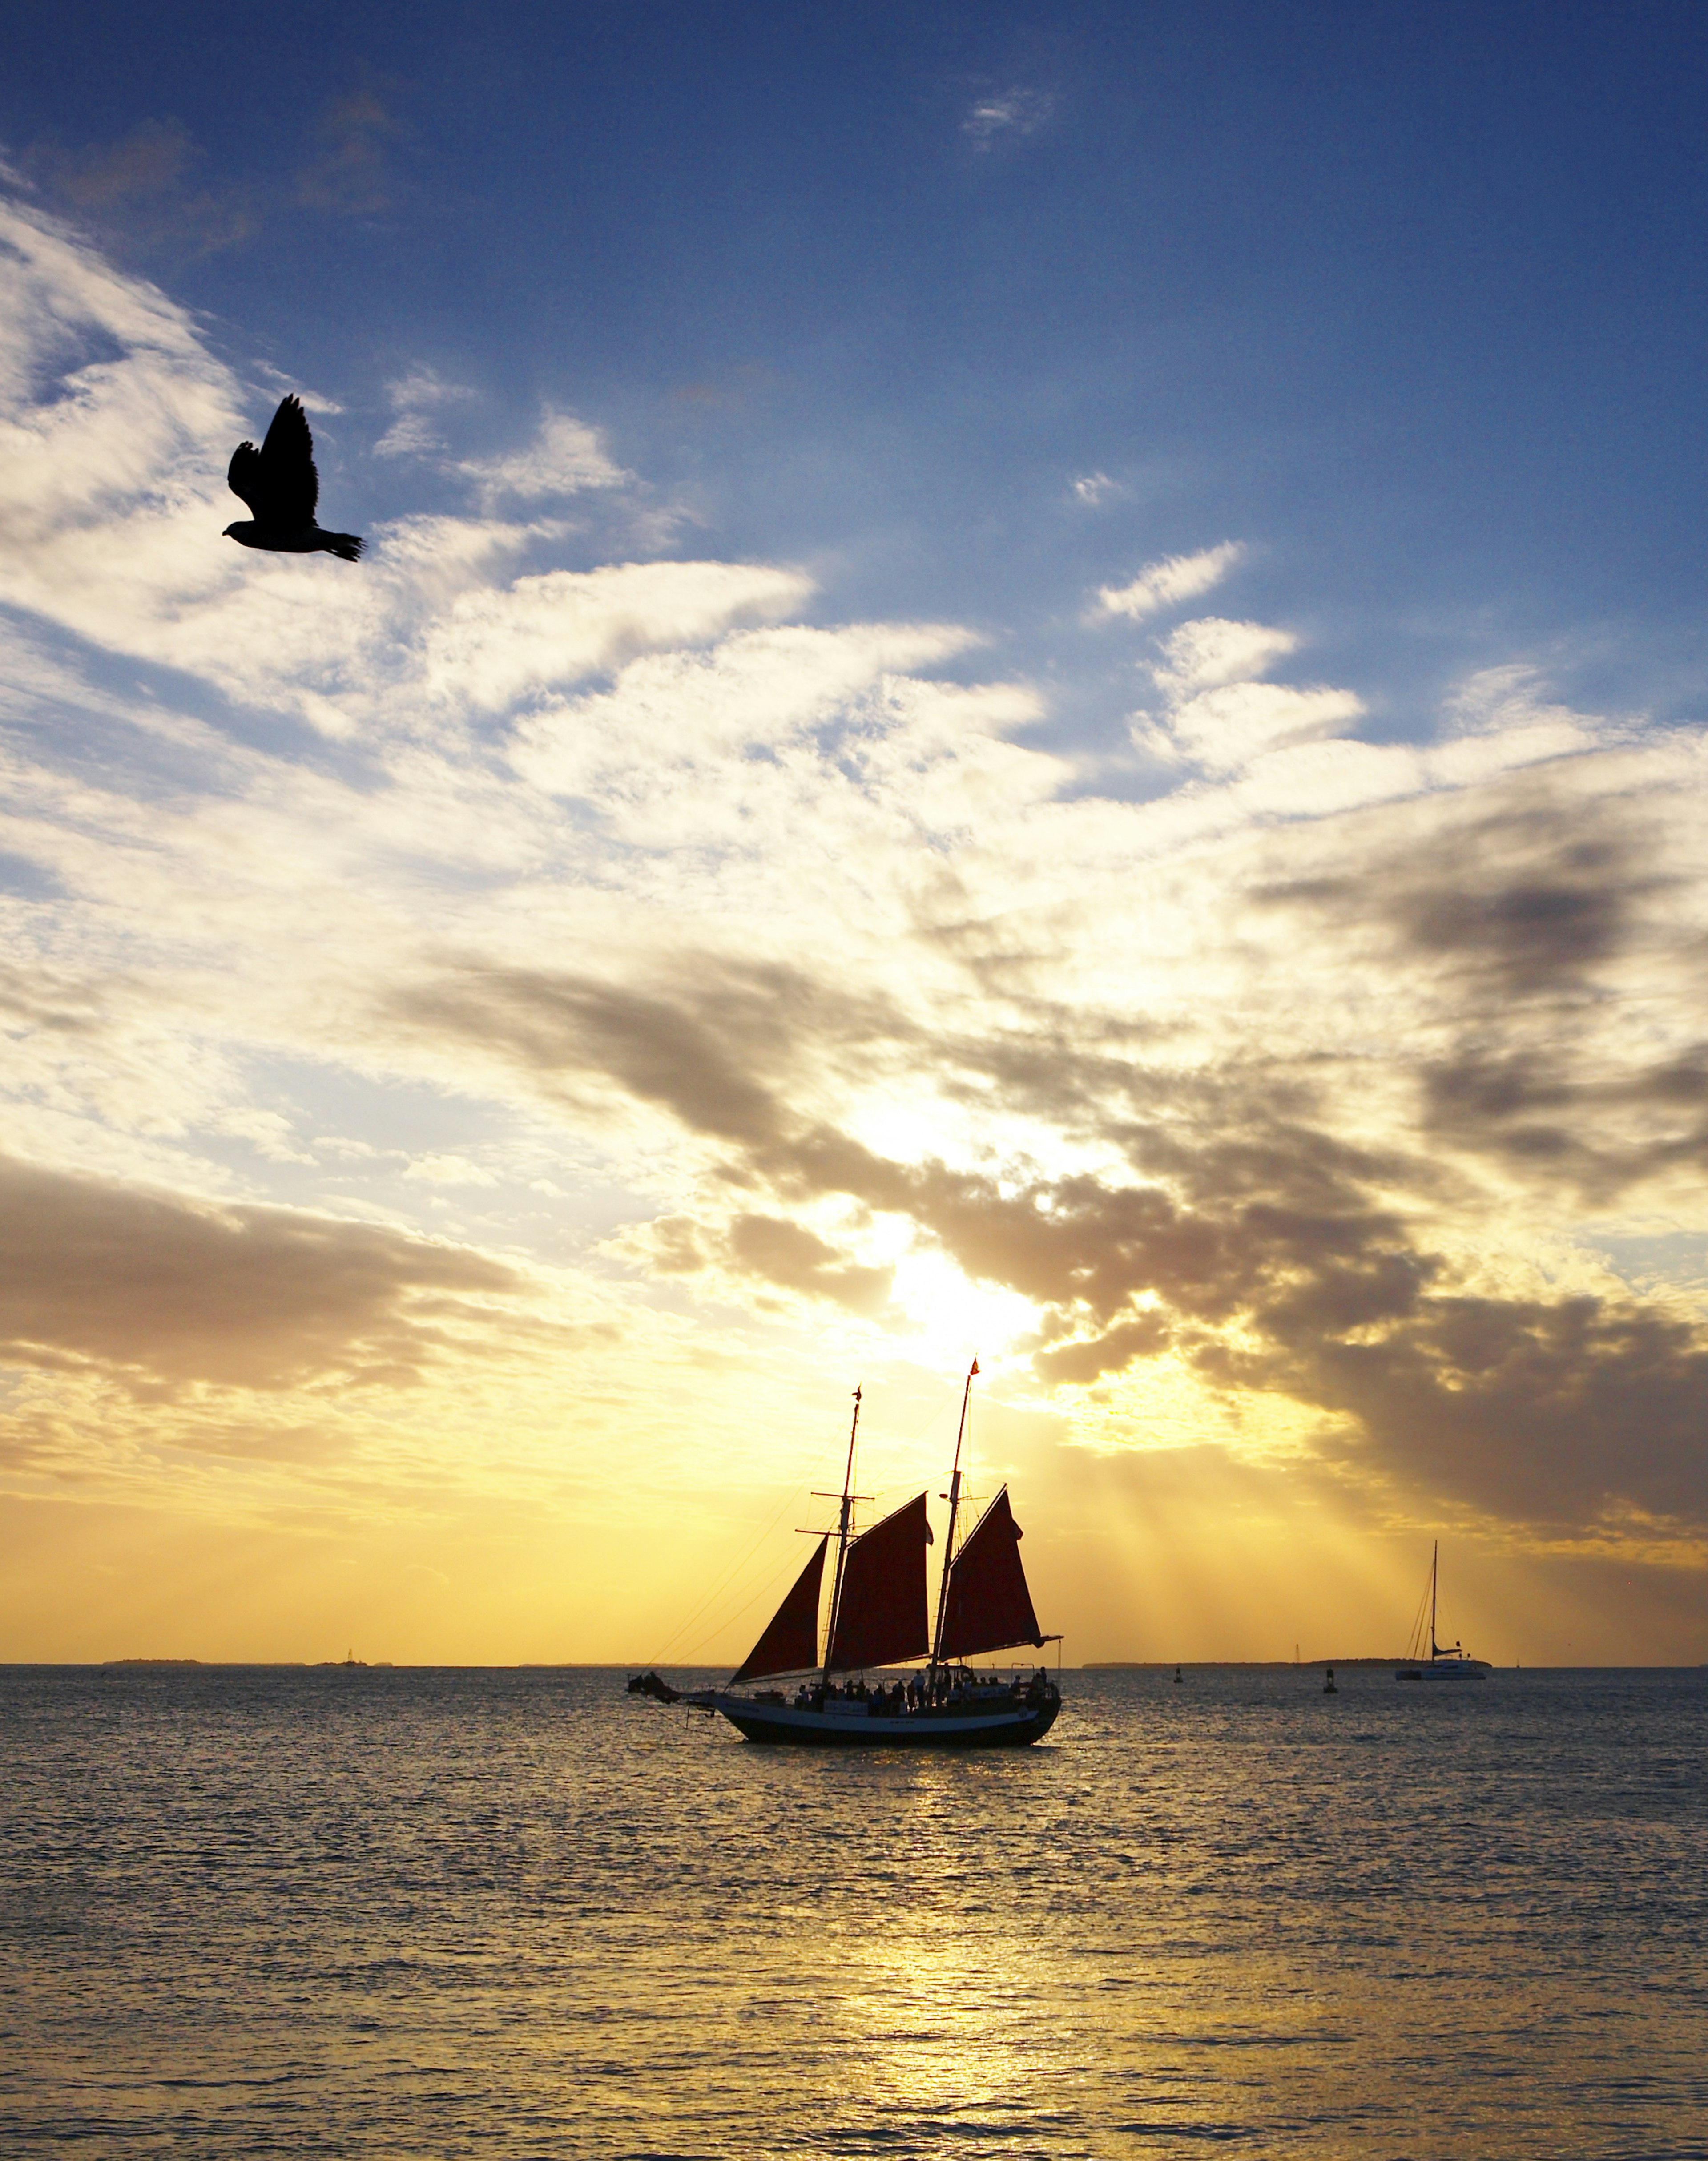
1029, 684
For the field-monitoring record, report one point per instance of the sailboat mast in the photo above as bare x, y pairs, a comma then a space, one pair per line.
1435, 1564
842, 1523
949, 1535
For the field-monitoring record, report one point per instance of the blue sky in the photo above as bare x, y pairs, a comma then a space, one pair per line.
1029, 681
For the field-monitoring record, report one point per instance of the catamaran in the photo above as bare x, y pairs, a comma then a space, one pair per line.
1455, 1663
877, 1619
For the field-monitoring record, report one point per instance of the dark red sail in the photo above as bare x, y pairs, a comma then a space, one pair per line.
989, 1607
790, 1645
882, 1617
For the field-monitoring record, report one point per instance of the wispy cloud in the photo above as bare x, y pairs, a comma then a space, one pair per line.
353, 171
417, 398
1095, 488
1017, 111
1168, 583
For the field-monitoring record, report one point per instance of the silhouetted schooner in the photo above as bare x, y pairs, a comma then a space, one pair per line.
878, 1619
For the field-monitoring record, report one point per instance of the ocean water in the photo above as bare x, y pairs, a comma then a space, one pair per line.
253, 1911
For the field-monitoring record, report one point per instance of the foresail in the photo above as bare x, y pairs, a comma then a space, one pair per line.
790, 1645
989, 1607
881, 1617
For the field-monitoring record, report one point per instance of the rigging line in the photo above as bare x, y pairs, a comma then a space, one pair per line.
885, 1449
794, 1494
1414, 1642
724, 1621
727, 1619
933, 1414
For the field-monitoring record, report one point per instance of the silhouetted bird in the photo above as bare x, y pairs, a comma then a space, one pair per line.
280, 486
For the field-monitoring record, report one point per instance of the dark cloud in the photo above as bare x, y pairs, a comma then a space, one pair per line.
1087, 1360
1517, 931
1562, 1414
720, 1047
1527, 902
1542, 1116
31, 998
261, 1298
1252, 1242
142, 190
1531, 934
785, 1253
145, 192
766, 1249
353, 172
1286, 1201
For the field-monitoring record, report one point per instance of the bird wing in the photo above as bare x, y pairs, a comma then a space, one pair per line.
245, 476
290, 487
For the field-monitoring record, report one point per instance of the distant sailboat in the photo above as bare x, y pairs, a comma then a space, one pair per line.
1455, 1664
878, 1617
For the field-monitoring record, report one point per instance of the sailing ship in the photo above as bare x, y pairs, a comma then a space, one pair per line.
878, 1619
1453, 1663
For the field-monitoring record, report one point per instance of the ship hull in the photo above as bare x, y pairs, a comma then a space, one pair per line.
1011, 1727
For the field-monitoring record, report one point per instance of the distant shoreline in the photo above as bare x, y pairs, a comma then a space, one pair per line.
1262, 1665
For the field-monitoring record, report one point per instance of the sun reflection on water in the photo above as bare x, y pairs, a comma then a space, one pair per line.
515, 1913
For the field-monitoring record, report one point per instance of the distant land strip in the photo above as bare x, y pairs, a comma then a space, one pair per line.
1162, 1665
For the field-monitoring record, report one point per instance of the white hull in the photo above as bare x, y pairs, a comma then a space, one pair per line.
1445, 1669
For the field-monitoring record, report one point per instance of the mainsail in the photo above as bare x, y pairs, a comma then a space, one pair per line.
988, 1606
881, 1613
790, 1645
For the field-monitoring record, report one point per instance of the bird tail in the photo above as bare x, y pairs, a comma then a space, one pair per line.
346, 546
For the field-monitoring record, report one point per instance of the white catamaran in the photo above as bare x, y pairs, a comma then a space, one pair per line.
878, 1619
1454, 1664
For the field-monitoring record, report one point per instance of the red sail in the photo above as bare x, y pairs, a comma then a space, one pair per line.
882, 1615
989, 1604
790, 1645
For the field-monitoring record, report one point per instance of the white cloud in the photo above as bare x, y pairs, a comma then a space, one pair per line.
268, 1131
108, 442
1093, 488
1213, 650
494, 646
722, 749
448, 1170
566, 457
1166, 583
1226, 728
1218, 715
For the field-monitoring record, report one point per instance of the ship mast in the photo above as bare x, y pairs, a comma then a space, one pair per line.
953, 1496
842, 1523
1435, 1564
